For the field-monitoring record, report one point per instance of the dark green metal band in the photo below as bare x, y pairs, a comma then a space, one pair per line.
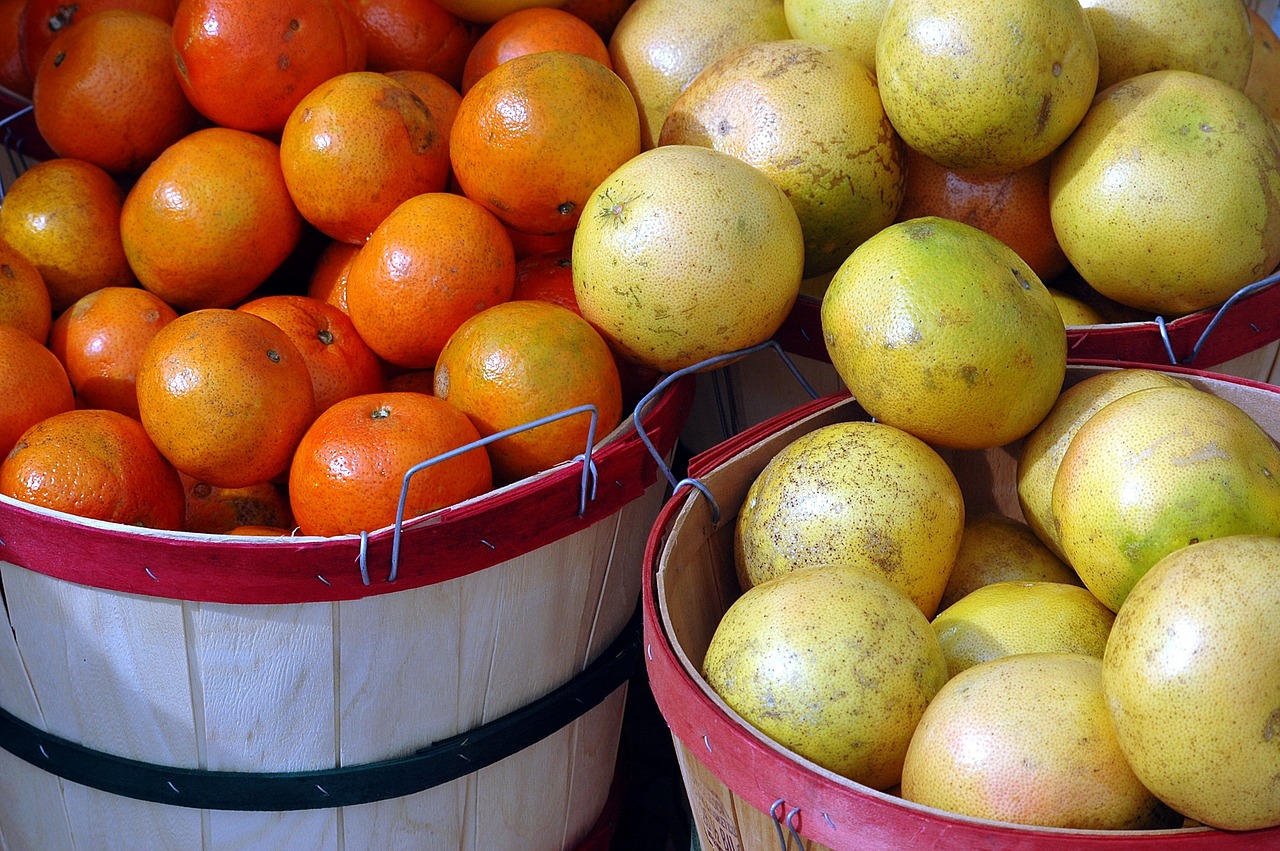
439, 763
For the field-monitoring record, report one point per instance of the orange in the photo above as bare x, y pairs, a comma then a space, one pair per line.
44, 19
524, 360
488, 11
526, 244
355, 147
415, 380
261, 531
105, 92
328, 281
438, 259
219, 511
33, 385
1012, 207
531, 31
341, 364
64, 216
24, 298
246, 64
441, 97
96, 464
1027, 739
547, 276
349, 469
100, 340
1263, 84
13, 73
602, 15
417, 35
225, 396
210, 219
537, 135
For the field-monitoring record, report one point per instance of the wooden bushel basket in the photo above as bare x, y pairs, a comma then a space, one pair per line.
746, 792
309, 692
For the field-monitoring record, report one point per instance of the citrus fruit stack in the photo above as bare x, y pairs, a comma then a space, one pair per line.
264, 228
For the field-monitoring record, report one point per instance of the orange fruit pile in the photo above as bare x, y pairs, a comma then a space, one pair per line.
257, 212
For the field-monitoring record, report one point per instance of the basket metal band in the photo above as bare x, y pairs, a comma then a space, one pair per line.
434, 765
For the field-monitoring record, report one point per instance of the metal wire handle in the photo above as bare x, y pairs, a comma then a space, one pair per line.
1239, 294
587, 489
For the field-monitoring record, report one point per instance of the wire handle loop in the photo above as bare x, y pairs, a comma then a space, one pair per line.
1243, 292
793, 815
701, 366
588, 483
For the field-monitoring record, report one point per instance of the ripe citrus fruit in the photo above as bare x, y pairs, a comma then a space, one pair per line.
355, 147
1027, 739
660, 45
995, 548
105, 92
534, 137
95, 464
1192, 678
1167, 197
1075, 312
1012, 207
1263, 84
33, 384
24, 298
328, 280
939, 328
100, 340
212, 510
852, 713
517, 362
809, 116
225, 396
441, 97
436, 260
532, 30
1154, 471
415, 35
414, 380
602, 15
1004, 618
210, 219
1042, 451
990, 86
489, 11
348, 472
686, 253
42, 20
339, 361
246, 64
64, 216
546, 276
1209, 37
13, 72
857, 493
852, 24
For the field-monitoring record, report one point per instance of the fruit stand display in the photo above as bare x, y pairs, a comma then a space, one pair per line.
747, 790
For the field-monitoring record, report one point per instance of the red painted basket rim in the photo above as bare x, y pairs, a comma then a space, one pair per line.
452, 542
830, 809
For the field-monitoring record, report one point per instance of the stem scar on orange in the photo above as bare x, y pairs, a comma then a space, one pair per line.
349, 469
225, 396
